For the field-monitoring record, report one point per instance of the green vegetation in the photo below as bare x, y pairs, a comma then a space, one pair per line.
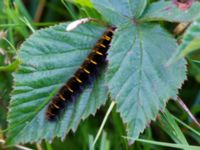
129, 100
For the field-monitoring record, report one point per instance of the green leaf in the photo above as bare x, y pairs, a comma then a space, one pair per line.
105, 143
138, 78
194, 70
164, 144
11, 67
191, 39
49, 58
169, 125
84, 3
168, 11
190, 42
192, 46
187, 126
120, 12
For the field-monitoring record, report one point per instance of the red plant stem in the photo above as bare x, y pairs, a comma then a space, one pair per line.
181, 103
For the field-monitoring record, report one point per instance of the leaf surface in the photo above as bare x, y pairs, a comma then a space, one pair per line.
49, 58
119, 12
138, 78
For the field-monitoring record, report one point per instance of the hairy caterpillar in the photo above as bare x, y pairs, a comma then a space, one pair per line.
89, 68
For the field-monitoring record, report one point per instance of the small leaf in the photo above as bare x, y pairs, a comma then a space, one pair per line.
190, 42
191, 39
192, 46
11, 67
168, 11
49, 58
120, 12
138, 78
194, 70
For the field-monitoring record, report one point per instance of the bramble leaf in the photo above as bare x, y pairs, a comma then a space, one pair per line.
120, 12
138, 78
49, 58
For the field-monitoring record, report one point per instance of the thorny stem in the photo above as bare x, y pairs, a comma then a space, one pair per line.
181, 103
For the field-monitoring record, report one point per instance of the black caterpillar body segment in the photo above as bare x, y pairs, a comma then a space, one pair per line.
89, 68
